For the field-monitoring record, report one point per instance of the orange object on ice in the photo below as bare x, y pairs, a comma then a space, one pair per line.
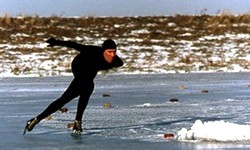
168, 135
70, 125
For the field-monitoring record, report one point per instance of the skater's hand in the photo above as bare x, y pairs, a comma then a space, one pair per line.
51, 41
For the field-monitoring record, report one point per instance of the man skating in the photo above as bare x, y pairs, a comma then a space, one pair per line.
85, 67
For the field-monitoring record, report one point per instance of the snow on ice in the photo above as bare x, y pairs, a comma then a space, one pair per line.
215, 131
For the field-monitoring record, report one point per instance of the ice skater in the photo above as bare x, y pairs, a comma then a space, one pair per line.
85, 66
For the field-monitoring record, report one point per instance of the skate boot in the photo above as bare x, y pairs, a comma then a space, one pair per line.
30, 125
77, 128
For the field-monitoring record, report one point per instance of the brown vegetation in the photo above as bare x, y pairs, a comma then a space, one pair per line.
165, 31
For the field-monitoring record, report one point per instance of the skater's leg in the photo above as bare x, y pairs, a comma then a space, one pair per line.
83, 100
71, 93
82, 104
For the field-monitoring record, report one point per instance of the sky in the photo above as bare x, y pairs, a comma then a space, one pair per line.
121, 7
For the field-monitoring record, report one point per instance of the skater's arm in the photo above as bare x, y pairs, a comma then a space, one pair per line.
117, 62
71, 44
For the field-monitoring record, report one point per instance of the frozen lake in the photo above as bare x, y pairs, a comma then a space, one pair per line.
141, 112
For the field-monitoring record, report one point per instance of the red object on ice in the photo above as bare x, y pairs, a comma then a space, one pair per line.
204, 91
168, 135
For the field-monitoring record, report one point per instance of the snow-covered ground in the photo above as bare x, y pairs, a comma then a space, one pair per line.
147, 44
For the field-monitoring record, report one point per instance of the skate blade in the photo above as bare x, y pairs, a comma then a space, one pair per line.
77, 132
26, 126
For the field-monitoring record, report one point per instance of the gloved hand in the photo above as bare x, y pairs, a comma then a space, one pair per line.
52, 42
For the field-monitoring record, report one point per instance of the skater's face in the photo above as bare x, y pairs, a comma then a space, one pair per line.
109, 55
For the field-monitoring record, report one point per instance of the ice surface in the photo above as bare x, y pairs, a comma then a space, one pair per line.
141, 112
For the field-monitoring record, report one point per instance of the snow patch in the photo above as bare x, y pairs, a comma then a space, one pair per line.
217, 131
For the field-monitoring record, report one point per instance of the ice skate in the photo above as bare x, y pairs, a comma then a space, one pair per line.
77, 128
30, 125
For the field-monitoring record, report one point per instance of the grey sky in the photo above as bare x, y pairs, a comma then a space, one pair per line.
120, 7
